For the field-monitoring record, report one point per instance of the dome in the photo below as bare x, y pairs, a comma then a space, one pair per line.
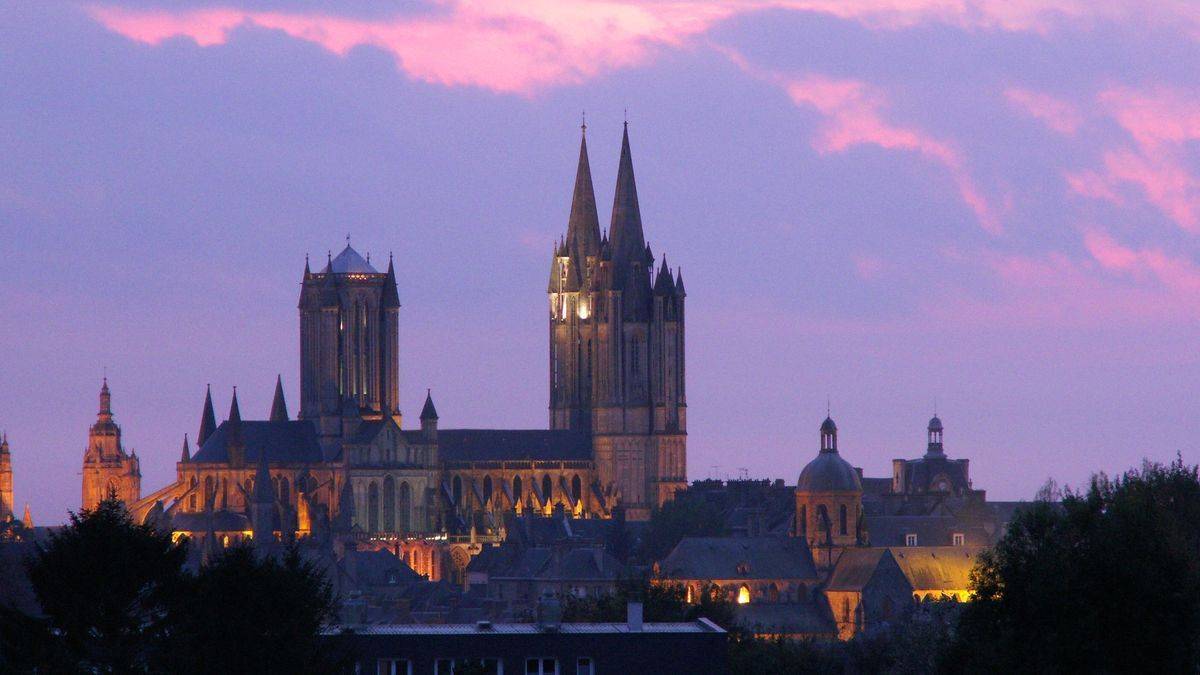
829, 473
935, 424
828, 427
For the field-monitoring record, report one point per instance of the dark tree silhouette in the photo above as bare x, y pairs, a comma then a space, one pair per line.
245, 612
1109, 582
103, 585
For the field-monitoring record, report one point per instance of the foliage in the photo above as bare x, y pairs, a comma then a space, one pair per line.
688, 515
262, 612
1108, 582
660, 602
103, 584
115, 598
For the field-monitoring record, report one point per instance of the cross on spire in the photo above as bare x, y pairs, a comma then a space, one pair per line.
583, 121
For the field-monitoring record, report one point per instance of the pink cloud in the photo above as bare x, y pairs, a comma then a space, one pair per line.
1162, 123
868, 267
853, 113
1055, 113
523, 46
505, 46
1177, 274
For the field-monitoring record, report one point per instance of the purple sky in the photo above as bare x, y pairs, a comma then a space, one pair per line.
993, 204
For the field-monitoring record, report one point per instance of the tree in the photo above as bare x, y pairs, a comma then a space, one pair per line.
246, 612
688, 515
115, 598
103, 585
660, 603
1108, 582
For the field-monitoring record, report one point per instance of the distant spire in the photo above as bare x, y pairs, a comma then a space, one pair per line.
679, 282
279, 411
187, 453
208, 420
429, 412
105, 399
583, 225
27, 519
307, 271
235, 414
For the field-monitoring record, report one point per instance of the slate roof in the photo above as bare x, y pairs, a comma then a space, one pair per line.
471, 445
855, 568
350, 262
294, 441
223, 521
937, 567
930, 530
379, 568
829, 473
713, 558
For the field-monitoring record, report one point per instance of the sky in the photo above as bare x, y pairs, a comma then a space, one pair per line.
990, 208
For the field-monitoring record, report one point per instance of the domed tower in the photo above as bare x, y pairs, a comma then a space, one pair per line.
829, 496
934, 447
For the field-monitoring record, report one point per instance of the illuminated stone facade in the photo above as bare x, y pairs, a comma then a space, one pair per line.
107, 468
346, 468
617, 346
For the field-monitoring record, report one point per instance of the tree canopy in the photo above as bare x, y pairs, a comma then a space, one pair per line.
115, 597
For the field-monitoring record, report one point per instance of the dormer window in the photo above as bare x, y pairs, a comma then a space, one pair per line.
959, 539
743, 568
910, 540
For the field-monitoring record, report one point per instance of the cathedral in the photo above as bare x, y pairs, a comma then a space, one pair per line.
346, 466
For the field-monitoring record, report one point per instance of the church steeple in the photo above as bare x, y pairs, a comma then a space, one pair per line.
583, 226
279, 411
105, 414
625, 231
186, 456
208, 419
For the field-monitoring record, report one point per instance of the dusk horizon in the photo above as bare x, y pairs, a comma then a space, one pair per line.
884, 210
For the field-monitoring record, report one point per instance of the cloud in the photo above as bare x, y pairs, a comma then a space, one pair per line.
507, 46
1162, 123
1175, 273
525, 46
1059, 115
853, 115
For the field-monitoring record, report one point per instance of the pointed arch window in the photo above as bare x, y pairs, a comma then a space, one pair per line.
487, 490
405, 507
373, 507
516, 488
389, 504
547, 486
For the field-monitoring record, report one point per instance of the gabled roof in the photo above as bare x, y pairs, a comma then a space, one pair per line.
470, 445
787, 618
937, 567
855, 568
350, 262
294, 441
757, 557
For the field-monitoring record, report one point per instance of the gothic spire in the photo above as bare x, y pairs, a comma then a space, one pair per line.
391, 296
679, 282
279, 411
27, 519
235, 414
583, 226
187, 453
625, 231
208, 420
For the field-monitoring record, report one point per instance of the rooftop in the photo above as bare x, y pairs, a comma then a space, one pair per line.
700, 626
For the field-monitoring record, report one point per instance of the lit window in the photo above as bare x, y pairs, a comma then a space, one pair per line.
584, 666
743, 596
910, 540
959, 539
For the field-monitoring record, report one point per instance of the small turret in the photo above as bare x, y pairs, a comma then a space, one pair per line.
186, 456
27, 519
429, 417
391, 294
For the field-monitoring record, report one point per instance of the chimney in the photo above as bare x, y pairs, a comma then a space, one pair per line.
634, 617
